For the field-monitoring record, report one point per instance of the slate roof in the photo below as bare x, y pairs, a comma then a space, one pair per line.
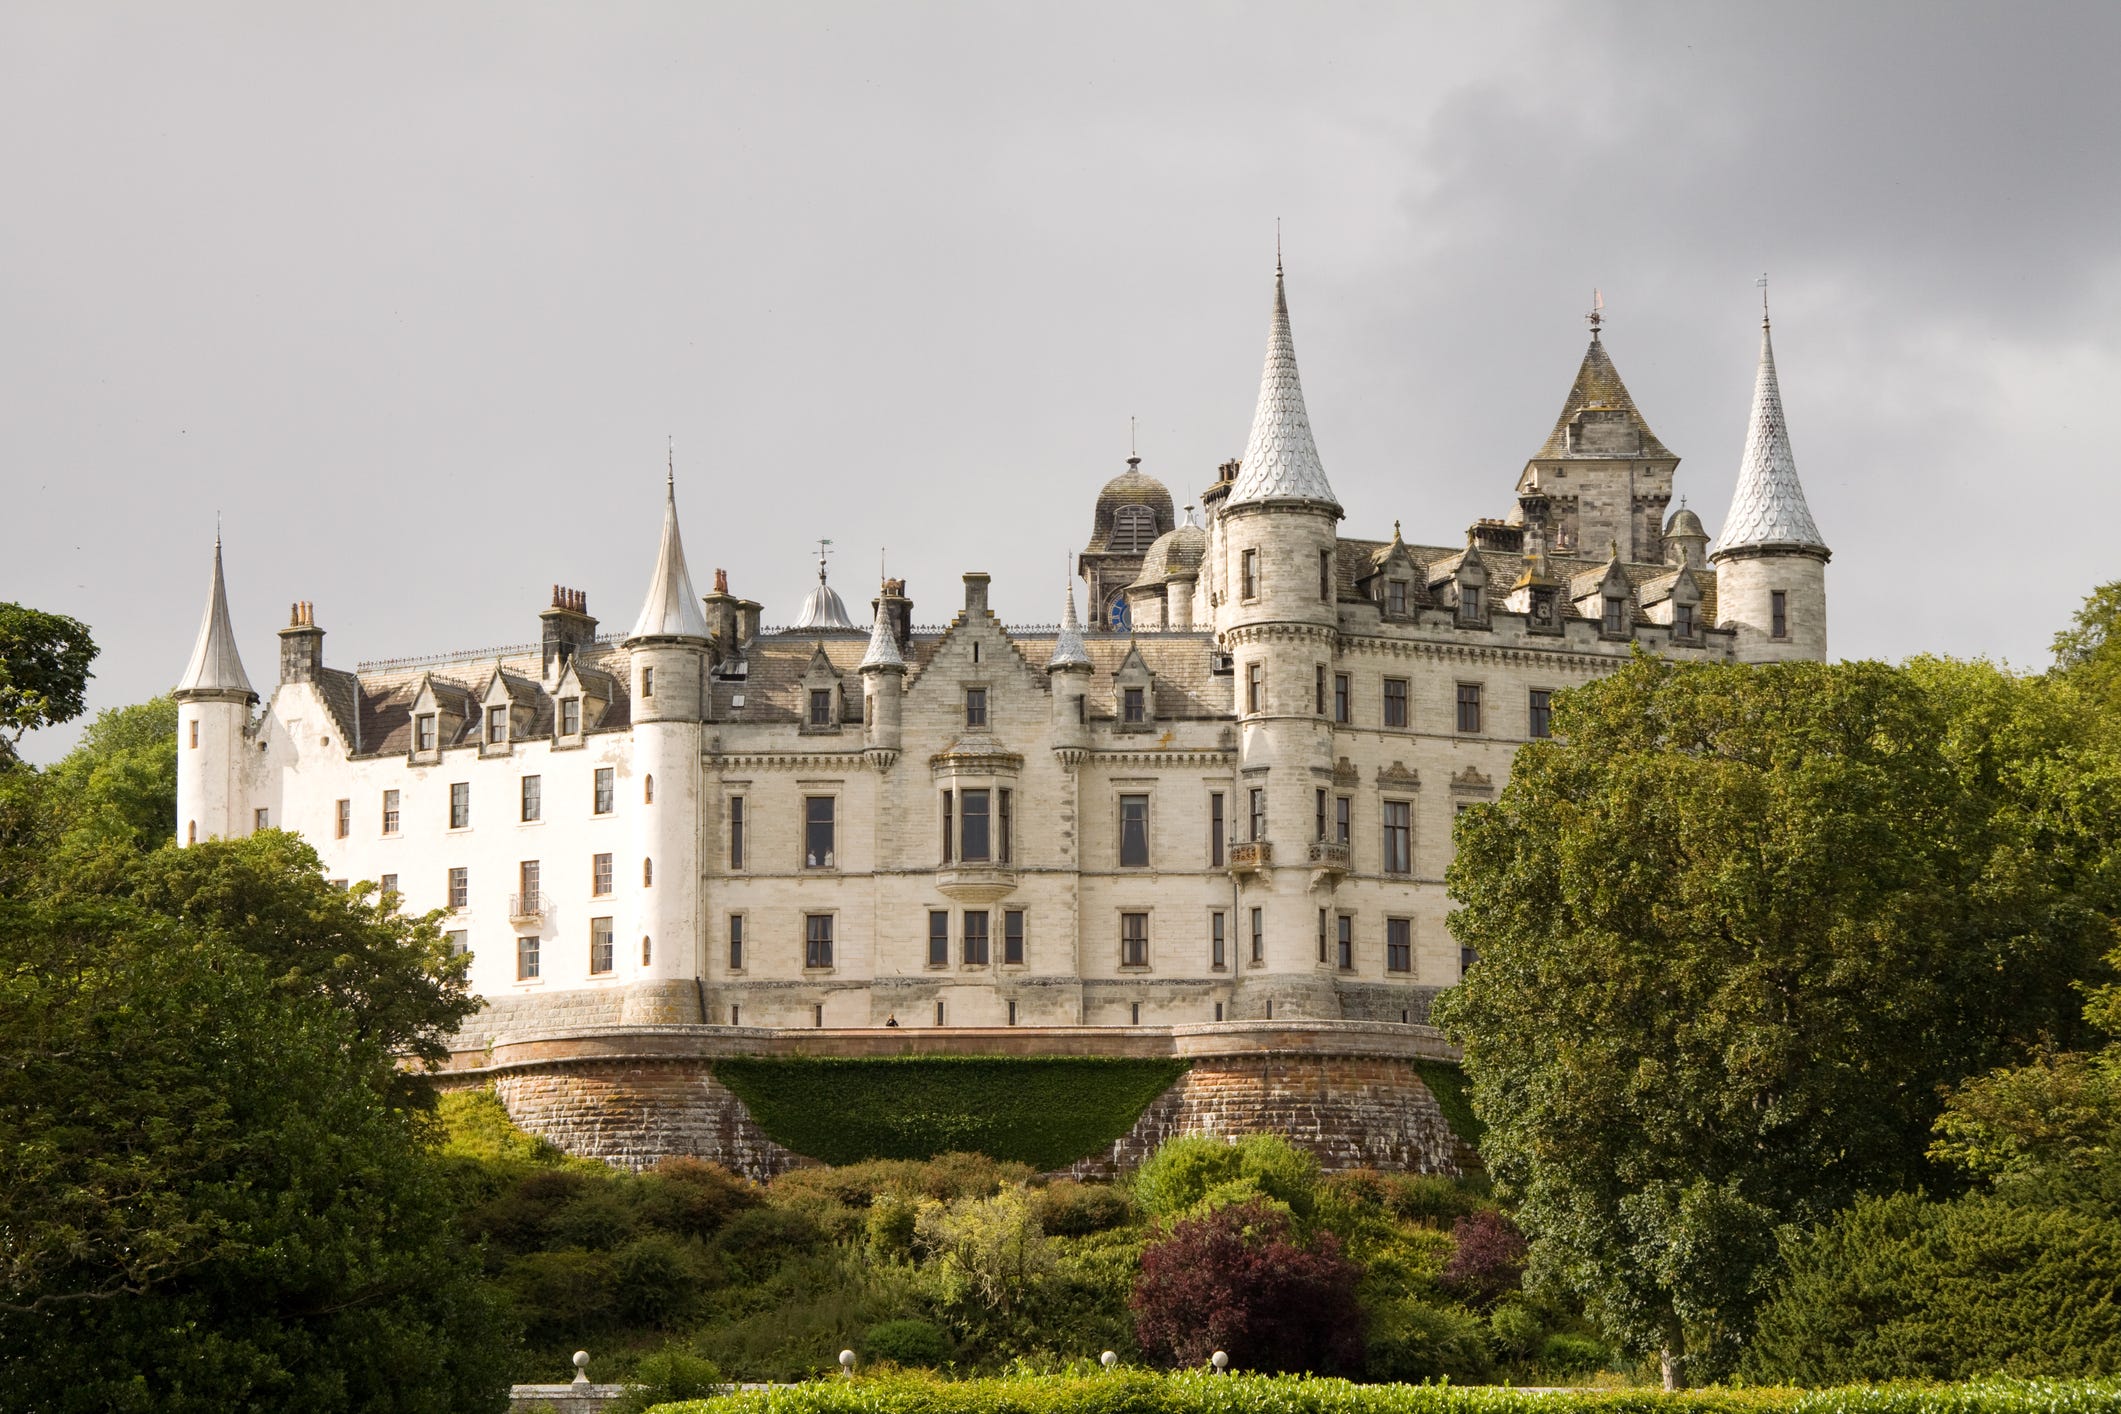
214, 666
671, 609
1768, 509
1281, 460
1598, 385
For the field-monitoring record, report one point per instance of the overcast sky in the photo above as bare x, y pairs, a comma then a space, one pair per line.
413, 295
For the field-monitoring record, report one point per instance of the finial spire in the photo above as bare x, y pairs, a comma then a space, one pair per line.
1069, 650
1281, 461
671, 609
883, 654
1277, 247
1762, 282
1768, 510
215, 668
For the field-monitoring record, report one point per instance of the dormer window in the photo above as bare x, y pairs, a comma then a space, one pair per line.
821, 707
1133, 706
496, 726
1616, 610
1683, 620
424, 733
570, 716
1469, 601
1396, 597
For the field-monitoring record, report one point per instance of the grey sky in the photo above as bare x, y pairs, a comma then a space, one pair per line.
414, 294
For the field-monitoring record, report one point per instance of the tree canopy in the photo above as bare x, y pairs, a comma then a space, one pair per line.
44, 672
1737, 927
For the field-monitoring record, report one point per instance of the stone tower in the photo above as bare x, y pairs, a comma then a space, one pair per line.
1771, 562
214, 698
1602, 478
669, 651
1278, 618
1133, 512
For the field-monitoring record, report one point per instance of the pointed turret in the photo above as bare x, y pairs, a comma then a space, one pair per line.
215, 671
1281, 461
1768, 511
671, 610
1069, 650
883, 654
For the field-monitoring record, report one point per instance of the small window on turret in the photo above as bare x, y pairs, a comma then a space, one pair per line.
1779, 612
648, 682
1248, 578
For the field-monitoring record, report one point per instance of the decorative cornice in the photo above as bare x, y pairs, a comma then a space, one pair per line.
1397, 777
791, 761
1189, 756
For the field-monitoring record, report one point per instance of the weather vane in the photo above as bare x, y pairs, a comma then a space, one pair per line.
1762, 283
824, 548
1596, 318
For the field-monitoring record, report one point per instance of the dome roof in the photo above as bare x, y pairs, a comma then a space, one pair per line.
1685, 522
1120, 526
823, 609
1177, 554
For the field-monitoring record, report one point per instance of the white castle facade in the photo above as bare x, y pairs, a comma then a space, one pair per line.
1230, 798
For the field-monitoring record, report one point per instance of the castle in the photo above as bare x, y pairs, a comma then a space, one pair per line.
1228, 797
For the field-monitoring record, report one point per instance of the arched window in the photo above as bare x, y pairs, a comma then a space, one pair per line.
648, 790
647, 872
1133, 530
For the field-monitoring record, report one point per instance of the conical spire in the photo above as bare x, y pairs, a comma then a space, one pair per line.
1598, 385
1069, 650
672, 610
214, 667
1281, 461
1768, 510
883, 654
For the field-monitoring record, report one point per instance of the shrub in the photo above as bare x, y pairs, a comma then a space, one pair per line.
595, 1217
1199, 1171
1516, 1329
754, 1242
657, 1280
1432, 1198
1566, 1354
1490, 1258
1238, 1280
907, 1342
561, 1295
668, 1375
691, 1198
1410, 1342
1065, 1208
890, 1227
987, 1251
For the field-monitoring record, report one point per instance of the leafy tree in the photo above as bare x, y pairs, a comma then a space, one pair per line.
1242, 1280
1736, 927
44, 672
205, 1201
2088, 652
987, 1252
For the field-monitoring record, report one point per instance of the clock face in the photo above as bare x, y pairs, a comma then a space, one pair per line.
1121, 619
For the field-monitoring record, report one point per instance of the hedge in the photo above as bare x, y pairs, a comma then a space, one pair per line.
1045, 1111
1135, 1392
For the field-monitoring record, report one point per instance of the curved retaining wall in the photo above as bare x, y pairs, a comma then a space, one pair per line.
1348, 1091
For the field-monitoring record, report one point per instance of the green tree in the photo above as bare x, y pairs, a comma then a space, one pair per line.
1736, 928
206, 1202
2088, 652
44, 672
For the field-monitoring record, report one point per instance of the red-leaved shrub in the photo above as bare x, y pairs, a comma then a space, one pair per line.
1489, 1262
1240, 1280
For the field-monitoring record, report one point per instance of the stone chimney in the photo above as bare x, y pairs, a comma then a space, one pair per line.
976, 593
301, 644
899, 610
567, 627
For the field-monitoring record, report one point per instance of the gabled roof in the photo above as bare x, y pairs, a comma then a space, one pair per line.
1598, 385
214, 665
1281, 461
671, 610
1768, 509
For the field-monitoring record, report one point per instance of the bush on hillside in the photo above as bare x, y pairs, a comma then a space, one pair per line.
667, 1376
1410, 1341
907, 1342
1490, 1259
1198, 1172
1065, 1208
1241, 1280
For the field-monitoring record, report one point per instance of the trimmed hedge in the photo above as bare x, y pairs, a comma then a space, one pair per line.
1454, 1097
1045, 1111
1135, 1392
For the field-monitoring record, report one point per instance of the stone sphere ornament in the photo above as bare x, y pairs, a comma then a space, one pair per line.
1221, 1361
581, 1367
1108, 1359
847, 1363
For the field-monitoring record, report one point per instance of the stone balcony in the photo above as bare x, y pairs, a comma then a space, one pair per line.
1251, 856
977, 882
1328, 859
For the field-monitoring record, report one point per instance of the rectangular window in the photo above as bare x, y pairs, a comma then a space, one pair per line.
938, 937
1344, 944
526, 959
600, 948
817, 832
1399, 945
1340, 697
1319, 815
976, 938
604, 781
1469, 601
261, 819
1779, 613
496, 725
644, 952
736, 832
1259, 814
390, 812
423, 731
1248, 575
1466, 958
736, 942
1134, 707
1683, 620
1318, 691
1134, 940
388, 884
1615, 612
817, 940
1539, 720
459, 942
600, 874
820, 706
460, 805
1343, 806
1013, 938
194, 735
1325, 576
1255, 687
1399, 837
975, 706
570, 716
1395, 702
949, 827
1007, 820
1469, 706
647, 682
972, 838
533, 797
1215, 829
1134, 831
342, 819
1322, 935
459, 889
527, 886
1396, 597
1218, 944
1259, 937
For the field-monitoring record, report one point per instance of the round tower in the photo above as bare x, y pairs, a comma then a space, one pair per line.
883, 670
1278, 617
1068, 670
214, 698
668, 651
1771, 561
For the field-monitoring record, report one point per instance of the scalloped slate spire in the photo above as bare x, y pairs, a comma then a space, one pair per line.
1281, 461
214, 667
883, 654
671, 610
1768, 511
1069, 650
